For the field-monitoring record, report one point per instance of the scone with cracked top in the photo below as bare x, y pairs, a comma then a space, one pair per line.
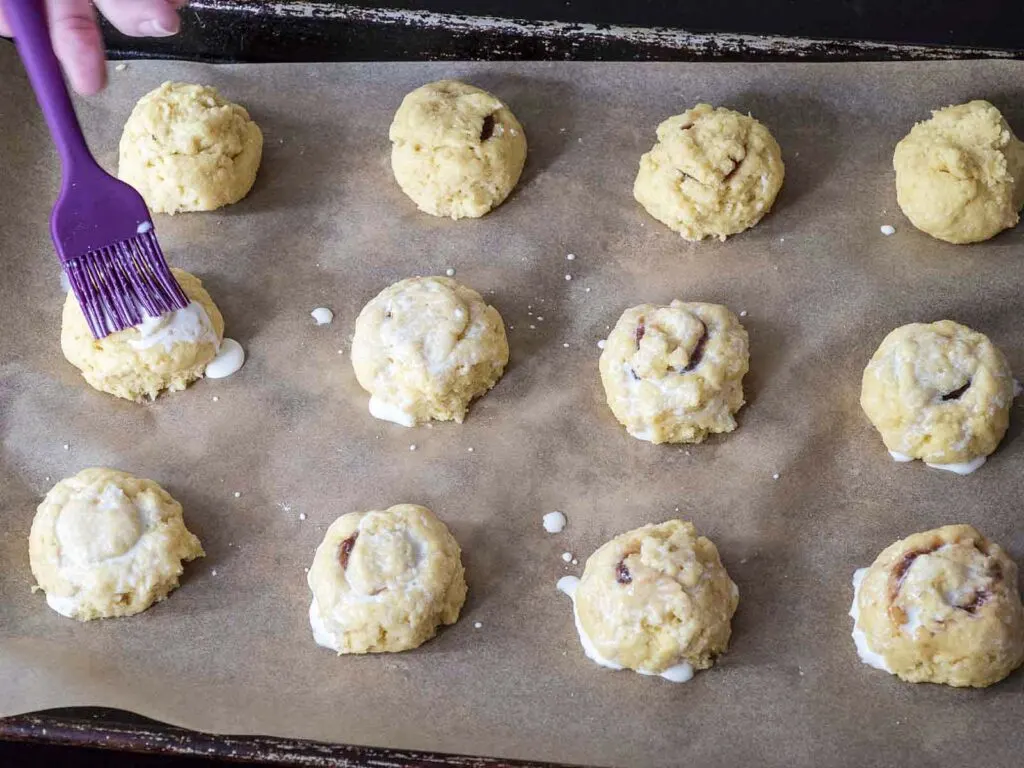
457, 150
186, 148
425, 347
161, 353
940, 606
960, 174
674, 374
939, 392
105, 543
656, 600
384, 581
712, 173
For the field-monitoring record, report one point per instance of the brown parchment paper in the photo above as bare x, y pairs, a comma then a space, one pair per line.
326, 225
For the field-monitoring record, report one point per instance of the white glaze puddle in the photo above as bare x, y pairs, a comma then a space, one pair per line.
323, 636
65, 606
322, 315
554, 522
679, 673
230, 357
867, 655
385, 411
963, 468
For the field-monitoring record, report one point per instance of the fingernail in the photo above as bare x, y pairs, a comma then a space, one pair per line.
155, 28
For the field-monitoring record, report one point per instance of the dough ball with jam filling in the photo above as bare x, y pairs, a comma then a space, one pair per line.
457, 150
940, 606
385, 580
674, 374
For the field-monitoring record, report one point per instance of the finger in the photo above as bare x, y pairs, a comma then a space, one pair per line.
5, 31
77, 43
142, 18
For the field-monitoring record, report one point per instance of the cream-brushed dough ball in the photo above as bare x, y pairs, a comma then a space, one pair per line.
456, 150
674, 374
105, 543
656, 600
385, 580
939, 392
167, 352
185, 148
940, 606
425, 347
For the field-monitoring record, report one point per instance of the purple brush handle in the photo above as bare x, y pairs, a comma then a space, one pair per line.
32, 36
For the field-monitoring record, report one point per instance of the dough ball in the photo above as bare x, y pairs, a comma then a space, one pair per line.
105, 543
938, 392
656, 599
713, 173
456, 150
426, 346
675, 374
166, 352
184, 148
384, 581
958, 175
940, 607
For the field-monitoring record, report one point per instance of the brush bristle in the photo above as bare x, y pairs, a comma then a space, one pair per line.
118, 285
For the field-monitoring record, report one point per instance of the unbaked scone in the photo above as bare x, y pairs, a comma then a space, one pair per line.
424, 347
384, 581
712, 173
105, 543
185, 148
656, 600
166, 352
960, 175
938, 392
675, 374
940, 607
456, 150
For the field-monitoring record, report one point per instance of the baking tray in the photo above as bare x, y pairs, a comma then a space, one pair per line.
107, 727
585, 30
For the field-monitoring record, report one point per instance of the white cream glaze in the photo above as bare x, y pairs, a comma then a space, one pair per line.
88, 540
677, 673
322, 315
554, 522
385, 411
644, 434
867, 655
913, 622
80, 559
230, 357
321, 634
963, 468
65, 606
190, 325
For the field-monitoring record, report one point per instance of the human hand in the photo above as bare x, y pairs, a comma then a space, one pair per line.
76, 34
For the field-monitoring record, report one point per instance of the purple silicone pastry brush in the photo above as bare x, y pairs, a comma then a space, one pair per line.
100, 226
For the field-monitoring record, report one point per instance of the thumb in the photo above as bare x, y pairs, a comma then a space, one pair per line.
143, 18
